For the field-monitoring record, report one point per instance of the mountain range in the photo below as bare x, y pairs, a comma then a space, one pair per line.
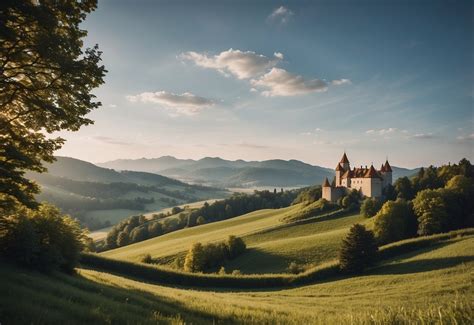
215, 171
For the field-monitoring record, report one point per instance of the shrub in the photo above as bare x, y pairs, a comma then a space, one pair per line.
147, 259
41, 239
235, 246
194, 260
358, 250
395, 221
370, 207
122, 239
294, 268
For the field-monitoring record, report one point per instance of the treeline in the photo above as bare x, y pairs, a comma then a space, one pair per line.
433, 201
138, 228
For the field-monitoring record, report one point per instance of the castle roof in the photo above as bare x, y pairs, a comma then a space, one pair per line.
362, 172
326, 183
339, 167
382, 169
371, 173
344, 159
387, 166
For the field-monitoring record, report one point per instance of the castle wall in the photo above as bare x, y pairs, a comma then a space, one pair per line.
332, 194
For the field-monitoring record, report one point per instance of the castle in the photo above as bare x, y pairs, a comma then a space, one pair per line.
368, 181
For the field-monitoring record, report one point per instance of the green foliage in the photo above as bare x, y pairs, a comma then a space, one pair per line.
358, 250
203, 257
431, 210
404, 188
313, 209
42, 239
194, 261
308, 195
46, 82
370, 207
351, 201
395, 221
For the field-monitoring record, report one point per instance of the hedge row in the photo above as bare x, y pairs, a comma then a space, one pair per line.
329, 270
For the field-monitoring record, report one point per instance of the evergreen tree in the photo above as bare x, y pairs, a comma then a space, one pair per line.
358, 250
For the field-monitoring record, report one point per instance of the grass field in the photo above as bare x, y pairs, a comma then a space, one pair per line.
432, 285
272, 244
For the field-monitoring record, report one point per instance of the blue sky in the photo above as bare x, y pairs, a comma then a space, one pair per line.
290, 80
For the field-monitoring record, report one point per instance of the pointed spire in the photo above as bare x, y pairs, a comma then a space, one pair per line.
344, 159
371, 173
382, 168
387, 166
326, 183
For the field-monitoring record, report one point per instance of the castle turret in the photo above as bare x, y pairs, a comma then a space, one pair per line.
326, 183
342, 167
387, 173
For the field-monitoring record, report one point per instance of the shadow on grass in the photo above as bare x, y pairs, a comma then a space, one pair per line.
28, 297
422, 265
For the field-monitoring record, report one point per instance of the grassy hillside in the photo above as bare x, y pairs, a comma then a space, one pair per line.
432, 285
272, 243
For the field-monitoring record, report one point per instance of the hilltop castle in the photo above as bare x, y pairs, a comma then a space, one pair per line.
368, 181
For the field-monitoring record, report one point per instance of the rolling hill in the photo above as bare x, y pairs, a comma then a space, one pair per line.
428, 285
100, 197
239, 173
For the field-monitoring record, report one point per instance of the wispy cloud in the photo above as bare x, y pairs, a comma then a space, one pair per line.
340, 82
244, 144
281, 15
241, 64
381, 131
423, 136
467, 137
186, 103
109, 140
279, 82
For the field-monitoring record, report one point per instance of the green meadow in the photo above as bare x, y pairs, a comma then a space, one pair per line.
430, 285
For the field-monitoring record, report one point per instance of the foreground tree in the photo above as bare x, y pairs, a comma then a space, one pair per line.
46, 81
42, 238
358, 250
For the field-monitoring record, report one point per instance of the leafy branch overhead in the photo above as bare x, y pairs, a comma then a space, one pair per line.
46, 83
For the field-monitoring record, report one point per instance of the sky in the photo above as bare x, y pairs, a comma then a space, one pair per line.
286, 80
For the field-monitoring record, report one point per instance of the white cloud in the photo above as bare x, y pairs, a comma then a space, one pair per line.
112, 105
382, 131
281, 15
243, 65
466, 137
423, 136
280, 82
186, 103
340, 82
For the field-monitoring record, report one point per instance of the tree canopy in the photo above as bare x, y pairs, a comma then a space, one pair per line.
46, 79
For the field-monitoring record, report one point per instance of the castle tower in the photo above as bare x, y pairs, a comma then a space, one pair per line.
387, 173
341, 167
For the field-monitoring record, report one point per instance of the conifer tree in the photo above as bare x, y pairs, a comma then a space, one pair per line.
358, 250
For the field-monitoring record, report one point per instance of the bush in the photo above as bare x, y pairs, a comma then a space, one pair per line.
41, 239
395, 221
235, 246
358, 250
194, 260
370, 207
147, 259
201, 257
